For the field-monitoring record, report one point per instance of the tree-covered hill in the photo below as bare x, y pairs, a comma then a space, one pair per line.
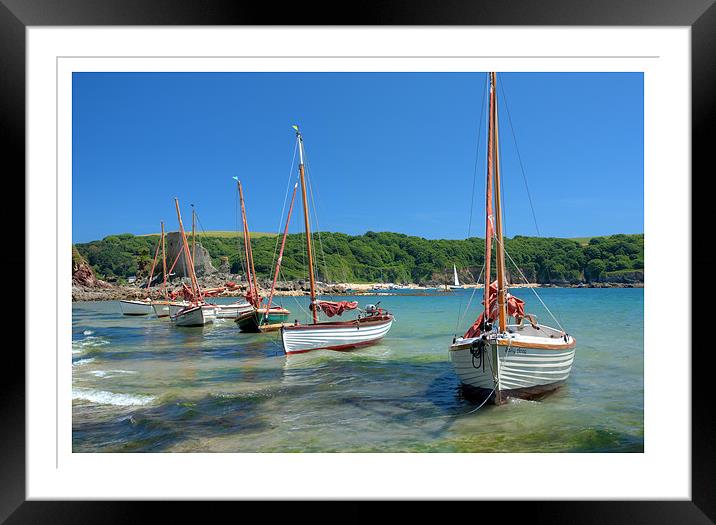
393, 257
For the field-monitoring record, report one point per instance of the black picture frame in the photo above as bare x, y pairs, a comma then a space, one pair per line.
699, 15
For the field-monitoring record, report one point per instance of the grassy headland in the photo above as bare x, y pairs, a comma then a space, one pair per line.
393, 257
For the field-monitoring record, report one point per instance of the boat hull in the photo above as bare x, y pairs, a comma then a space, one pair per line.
252, 321
526, 368
233, 310
161, 308
346, 335
175, 308
135, 307
195, 316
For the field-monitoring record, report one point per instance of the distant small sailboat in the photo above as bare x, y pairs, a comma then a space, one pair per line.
198, 312
256, 316
503, 360
456, 285
340, 335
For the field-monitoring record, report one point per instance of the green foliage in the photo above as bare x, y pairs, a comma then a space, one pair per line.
388, 257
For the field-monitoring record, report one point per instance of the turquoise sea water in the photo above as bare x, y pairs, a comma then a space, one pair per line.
142, 384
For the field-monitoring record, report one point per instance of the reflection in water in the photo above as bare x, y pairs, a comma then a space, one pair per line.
142, 384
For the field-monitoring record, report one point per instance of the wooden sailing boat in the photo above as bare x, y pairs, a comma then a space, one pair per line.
144, 306
338, 335
258, 315
507, 360
198, 312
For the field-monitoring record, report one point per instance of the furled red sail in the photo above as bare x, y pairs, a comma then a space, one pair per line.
515, 308
331, 308
185, 292
253, 298
213, 292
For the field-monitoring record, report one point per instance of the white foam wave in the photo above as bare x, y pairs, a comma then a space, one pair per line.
90, 341
83, 361
87, 332
110, 373
101, 397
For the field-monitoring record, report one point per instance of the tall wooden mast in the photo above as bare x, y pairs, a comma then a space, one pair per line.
250, 270
164, 261
489, 219
501, 279
192, 274
154, 264
307, 221
243, 229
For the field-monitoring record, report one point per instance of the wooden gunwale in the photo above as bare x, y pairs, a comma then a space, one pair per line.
521, 344
365, 321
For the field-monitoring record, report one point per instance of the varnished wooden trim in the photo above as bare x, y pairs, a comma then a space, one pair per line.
566, 346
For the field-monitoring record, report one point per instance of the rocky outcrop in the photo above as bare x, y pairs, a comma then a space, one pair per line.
202, 259
82, 273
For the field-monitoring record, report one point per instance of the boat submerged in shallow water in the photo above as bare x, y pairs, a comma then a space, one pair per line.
493, 359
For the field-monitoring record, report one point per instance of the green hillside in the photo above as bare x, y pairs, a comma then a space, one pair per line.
392, 257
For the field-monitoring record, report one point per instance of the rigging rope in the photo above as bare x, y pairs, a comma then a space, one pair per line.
531, 288
477, 156
519, 157
469, 303
472, 196
283, 208
326, 277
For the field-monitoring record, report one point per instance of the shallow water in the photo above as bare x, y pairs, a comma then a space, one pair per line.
143, 384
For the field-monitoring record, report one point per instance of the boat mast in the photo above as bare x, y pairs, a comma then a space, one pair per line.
192, 274
501, 280
164, 262
193, 235
280, 253
489, 226
154, 264
250, 270
246, 248
307, 221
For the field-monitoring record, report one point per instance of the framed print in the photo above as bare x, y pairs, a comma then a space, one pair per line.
359, 262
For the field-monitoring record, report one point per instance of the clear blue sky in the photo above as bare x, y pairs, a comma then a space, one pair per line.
387, 151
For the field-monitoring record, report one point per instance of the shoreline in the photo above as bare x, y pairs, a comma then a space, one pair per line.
297, 288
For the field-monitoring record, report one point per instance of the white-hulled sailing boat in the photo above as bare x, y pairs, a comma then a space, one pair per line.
198, 312
338, 335
507, 360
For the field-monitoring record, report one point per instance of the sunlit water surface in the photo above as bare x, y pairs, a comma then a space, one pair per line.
143, 384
